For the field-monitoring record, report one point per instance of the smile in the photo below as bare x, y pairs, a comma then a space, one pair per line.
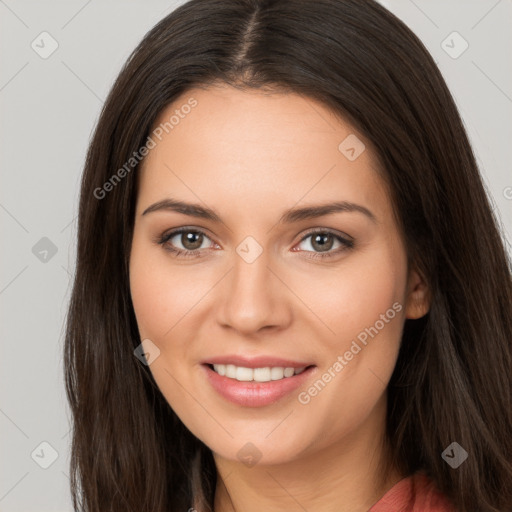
256, 387
265, 374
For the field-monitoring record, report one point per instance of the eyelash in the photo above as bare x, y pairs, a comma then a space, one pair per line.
186, 253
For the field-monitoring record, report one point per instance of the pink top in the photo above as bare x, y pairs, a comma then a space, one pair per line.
415, 493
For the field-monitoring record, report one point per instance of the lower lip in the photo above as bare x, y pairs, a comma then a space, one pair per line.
255, 394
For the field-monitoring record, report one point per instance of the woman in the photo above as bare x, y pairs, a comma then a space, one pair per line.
291, 292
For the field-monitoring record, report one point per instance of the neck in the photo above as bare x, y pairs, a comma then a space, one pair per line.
347, 476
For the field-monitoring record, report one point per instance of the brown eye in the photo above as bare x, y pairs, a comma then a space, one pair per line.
190, 240
322, 241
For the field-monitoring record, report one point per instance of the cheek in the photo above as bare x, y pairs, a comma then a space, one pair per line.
362, 303
148, 297
162, 294
353, 296
161, 297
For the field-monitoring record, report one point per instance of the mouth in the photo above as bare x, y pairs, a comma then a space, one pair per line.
263, 374
257, 386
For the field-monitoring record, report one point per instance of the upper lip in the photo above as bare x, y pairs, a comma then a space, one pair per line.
256, 362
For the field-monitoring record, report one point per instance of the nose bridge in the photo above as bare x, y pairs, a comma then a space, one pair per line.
253, 297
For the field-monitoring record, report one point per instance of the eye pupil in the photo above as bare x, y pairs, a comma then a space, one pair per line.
192, 237
320, 240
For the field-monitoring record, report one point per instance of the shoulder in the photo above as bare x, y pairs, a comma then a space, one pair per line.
415, 493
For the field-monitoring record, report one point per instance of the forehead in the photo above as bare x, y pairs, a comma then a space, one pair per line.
253, 148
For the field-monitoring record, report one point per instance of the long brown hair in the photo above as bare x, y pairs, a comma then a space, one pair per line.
452, 381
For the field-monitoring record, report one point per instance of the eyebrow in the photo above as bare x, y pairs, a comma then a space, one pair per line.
288, 217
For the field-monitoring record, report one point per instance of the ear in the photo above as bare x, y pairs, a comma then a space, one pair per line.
418, 296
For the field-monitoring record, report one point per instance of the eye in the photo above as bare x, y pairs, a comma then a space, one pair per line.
190, 239
323, 240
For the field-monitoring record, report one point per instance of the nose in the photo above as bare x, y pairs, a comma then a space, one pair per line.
254, 296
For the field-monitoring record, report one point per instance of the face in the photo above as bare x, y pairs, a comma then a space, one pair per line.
300, 310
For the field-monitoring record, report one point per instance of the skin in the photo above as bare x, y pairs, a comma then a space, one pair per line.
249, 156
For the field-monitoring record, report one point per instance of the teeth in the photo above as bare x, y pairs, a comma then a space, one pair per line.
256, 374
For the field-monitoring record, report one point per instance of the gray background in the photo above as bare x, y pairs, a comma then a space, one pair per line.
48, 110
